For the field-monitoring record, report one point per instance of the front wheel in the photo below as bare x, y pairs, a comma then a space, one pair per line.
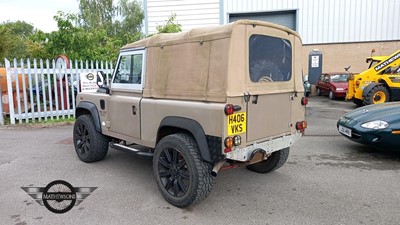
90, 145
379, 94
331, 95
182, 176
319, 93
274, 162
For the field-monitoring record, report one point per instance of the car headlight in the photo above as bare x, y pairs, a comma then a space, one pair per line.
339, 89
376, 125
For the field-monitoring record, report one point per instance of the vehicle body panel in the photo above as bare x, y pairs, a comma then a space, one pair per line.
193, 75
327, 82
380, 138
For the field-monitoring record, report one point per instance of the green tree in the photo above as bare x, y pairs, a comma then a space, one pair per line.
13, 39
96, 13
170, 26
123, 20
79, 42
20, 28
5, 40
97, 32
128, 29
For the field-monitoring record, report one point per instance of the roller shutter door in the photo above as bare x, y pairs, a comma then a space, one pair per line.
285, 18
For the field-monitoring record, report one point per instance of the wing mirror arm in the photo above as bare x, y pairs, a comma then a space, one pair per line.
100, 82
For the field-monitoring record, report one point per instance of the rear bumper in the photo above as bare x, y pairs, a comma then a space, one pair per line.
269, 146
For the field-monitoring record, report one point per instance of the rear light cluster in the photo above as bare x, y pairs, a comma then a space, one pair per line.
236, 140
301, 126
233, 141
304, 100
230, 109
357, 83
230, 142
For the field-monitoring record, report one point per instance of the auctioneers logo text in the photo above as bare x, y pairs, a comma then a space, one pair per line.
59, 196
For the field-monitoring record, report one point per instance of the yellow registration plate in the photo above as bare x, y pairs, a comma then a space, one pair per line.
236, 123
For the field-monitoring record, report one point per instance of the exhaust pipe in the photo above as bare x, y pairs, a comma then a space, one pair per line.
216, 168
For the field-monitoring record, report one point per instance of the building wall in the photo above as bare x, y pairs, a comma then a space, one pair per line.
332, 21
338, 56
318, 21
189, 13
344, 30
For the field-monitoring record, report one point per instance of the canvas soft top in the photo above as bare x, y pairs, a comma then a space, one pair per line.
210, 63
201, 33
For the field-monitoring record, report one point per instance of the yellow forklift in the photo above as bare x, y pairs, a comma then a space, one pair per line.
379, 83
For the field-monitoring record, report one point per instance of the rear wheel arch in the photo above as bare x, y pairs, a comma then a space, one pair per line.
173, 124
91, 109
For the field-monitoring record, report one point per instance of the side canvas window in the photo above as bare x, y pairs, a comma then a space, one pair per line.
130, 70
270, 59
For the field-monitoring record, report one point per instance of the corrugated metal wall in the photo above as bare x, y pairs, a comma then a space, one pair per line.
189, 13
332, 21
318, 21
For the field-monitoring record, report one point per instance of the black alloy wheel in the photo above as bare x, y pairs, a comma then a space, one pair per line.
82, 140
173, 172
90, 145
182, 176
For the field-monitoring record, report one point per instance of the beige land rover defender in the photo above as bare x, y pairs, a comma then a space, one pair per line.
197, 102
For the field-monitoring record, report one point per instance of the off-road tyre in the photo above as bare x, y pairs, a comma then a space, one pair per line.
90, 145
177, 165
274, 162
358, 102
378, 94
331, 95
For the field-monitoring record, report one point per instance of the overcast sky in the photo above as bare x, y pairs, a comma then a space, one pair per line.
39, 13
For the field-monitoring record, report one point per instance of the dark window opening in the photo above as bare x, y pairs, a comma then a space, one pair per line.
270, 59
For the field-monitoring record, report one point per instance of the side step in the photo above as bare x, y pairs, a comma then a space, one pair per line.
138, 150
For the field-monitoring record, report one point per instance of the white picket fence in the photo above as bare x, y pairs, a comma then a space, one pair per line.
43, 89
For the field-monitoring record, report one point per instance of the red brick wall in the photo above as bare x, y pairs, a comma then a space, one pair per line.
338, 56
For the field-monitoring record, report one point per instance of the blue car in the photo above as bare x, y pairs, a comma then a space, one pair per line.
375, 125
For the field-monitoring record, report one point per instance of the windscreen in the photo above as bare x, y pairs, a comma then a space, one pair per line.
270, 59
339, 78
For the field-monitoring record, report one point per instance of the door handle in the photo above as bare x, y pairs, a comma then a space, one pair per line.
134, 110
255, 99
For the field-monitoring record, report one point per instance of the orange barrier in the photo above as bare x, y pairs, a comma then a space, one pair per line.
4, 90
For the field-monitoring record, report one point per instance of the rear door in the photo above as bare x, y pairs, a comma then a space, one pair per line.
272, 86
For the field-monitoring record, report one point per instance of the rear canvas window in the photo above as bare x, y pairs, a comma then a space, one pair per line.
270, 59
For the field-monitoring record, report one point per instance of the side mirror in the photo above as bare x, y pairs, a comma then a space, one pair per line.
100, 78
100, 83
